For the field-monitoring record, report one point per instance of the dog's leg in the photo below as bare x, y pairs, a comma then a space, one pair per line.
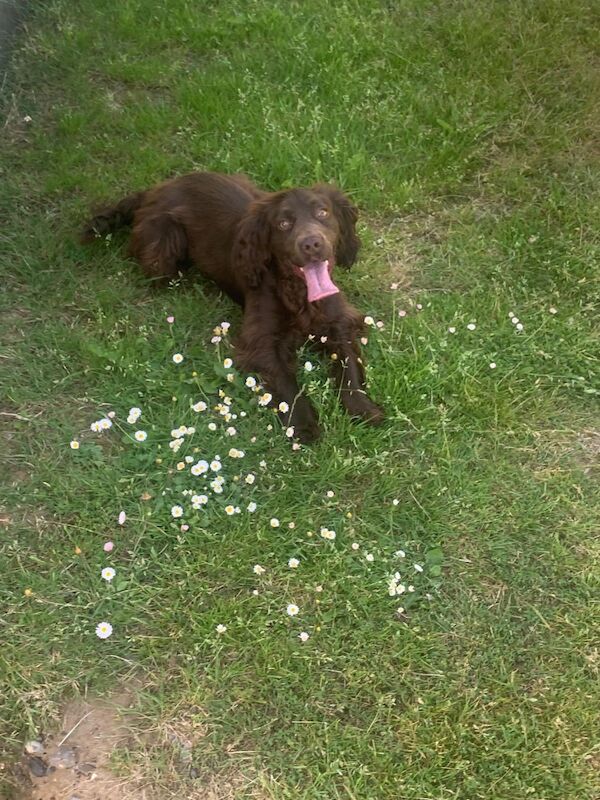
262, 352
338, 336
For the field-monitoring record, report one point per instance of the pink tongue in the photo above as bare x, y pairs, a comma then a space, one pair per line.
318, 281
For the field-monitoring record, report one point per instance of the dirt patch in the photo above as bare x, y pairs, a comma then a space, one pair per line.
108, 749
75, 761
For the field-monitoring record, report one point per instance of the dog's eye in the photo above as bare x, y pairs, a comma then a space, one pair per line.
322, 213
284, 225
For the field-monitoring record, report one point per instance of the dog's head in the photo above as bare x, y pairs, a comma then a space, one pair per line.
307, 231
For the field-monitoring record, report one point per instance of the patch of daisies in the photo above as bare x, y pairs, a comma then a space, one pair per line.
208, 480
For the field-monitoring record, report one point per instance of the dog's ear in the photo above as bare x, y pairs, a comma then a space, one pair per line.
347, 215
252, 247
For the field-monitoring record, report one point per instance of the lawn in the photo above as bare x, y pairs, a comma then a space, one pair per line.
467, 133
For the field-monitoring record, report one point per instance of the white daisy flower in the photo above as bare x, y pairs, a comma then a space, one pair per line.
303, 636
258, 570
140, 436
292, 610
250, 478
369, 321
216, 487
176, 511
553, 310
104, 630
289, 432
364, 340
108, 573
355, 545
221, 628
199, 499
418, 568
283, 407
308, 367
231, 431
189, 459
451, 329
265, 399
215, 340
135, 412
329, 493
105, 423
293, 563
519, 326
471, 326
250, 382
225, 326
212, 426
215, 465
251, 507
492, 365
228, 363
122, 517
74, 444
177, 358
370, 557
230, 510
274, 523
199, 406
400, 554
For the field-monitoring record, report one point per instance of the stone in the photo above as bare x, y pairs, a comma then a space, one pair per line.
64, 758
34, 748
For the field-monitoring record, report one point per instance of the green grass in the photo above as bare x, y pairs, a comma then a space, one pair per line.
466, 131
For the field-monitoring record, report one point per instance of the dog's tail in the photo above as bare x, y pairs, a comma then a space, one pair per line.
111, 218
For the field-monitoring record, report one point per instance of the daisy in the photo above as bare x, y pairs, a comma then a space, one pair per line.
212, 426
370, 557
215, 465
228, 363
308, 367
216, 487
400, 554
355, 545
265, 399
135, 412
330, 493
258, 570
492, 365
451, 329
122, 518
327, 534
303, 636
274, 523
283, 407
289, 432
199, 406
95, 426
103, 630
292, 610
553, 310
107, 547
418, 568
221, 628
140, 436
108, 573
364, 340
230, 377
177, 358
105, 423
395, 501
471, 326
401, 313
189, 459
293, 563
176, 511
199, 500
175, 444
74, 444
170, 319
231, 431
250, 382
180, 465
215, 340
229, 510
369, 321
225, 326
250, 478
251, 507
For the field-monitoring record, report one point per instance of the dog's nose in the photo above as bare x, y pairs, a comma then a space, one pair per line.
312, 246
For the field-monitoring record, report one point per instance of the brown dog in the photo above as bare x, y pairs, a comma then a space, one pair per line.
274, 254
